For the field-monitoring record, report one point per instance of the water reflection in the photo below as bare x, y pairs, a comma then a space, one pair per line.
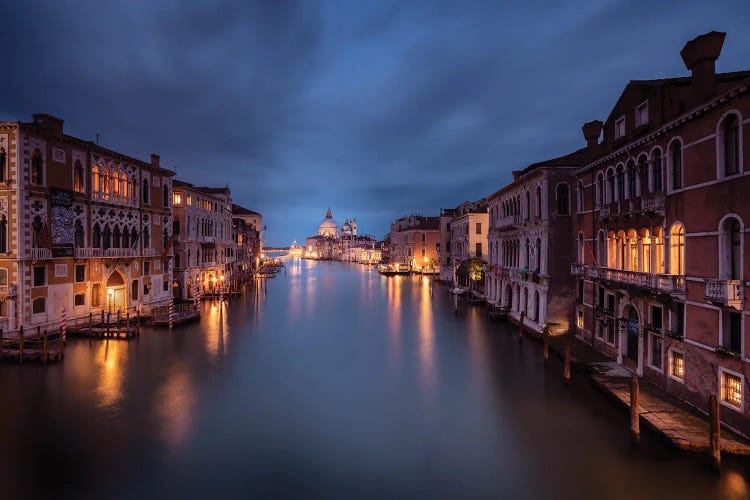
393, 286
427, 371
215, 325
174, 403
111, 359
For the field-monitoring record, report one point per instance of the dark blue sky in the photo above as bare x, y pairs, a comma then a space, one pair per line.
374, 109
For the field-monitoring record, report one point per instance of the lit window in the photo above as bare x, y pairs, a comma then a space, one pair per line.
177, 199
731, 389
641, 114
189, 200
579, 319
677, 365
620, 128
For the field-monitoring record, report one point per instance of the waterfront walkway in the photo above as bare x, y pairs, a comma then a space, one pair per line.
684, 427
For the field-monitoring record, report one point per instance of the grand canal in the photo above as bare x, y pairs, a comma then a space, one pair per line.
332, 382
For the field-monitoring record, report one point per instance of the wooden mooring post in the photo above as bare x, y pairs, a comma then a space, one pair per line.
520, 327
20, 344
566, 372
109, 319
91, 322
714, 440
635, 421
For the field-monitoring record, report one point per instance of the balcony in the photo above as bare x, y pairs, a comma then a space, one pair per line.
507, 222
723, 292
40, 253
87, 253
576, 269
149, 252
121, 252
515, 274
653, 202
659, 283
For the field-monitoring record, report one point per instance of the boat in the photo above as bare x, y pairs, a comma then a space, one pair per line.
457, 290
393, 269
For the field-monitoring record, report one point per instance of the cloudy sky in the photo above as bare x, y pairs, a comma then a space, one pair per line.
376, 109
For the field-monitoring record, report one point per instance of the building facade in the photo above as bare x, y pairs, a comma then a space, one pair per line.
660, 264
530, 238
246, 233
463, 236
205, 251
82, 228
414, 241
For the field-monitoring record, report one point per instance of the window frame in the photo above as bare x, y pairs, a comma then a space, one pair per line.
670, 354
642, 105
620, 128
722, 372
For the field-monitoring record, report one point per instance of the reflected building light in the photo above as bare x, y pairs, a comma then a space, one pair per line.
111, 361
175, 402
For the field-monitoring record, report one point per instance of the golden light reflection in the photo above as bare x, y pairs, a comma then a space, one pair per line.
111, 360
215, 329
174, 405
427, 373
733, 485
393, 308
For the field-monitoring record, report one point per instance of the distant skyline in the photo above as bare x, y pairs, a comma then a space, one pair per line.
376, 110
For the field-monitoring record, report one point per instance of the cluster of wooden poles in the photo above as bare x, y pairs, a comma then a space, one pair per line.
635, 414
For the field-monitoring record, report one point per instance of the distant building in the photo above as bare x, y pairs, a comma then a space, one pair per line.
414, 241
345, 244
463, 235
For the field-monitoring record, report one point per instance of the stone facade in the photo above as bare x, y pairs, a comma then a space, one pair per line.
83, 228
660, 265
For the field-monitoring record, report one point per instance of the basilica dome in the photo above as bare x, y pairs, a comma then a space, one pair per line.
328, 226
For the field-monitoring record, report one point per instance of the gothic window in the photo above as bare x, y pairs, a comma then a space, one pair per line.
146, 238
96, 237
78, 176
538, 202
631, 191
3, 170
165, 196
106, 237
675, 153
677, 249
600, 189
146, 192
3, 234
731, 256
620, 183
96, 185
36, 231
730, 134
657, 182
79, 243
165, 238
116, 237
37, 169
125, 238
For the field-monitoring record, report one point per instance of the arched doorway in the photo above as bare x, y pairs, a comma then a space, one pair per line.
116, 293
177, 289
631, 331
508, 296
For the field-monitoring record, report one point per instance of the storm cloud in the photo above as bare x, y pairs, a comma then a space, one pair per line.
374, 109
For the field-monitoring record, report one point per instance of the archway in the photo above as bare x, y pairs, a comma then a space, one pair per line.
116, 293
509, 297
177, 289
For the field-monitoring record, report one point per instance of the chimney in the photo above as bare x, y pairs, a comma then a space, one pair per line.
49, 122
699, 55
154, 160
591, 132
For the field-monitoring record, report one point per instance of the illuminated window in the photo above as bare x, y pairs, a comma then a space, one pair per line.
677, 365
95, 179
677, 250
78, 177
189, 199
579, 319
177, 199
731, 389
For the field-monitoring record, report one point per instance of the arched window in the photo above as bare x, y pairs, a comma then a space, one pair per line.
36, 231
622, 248
642, 175
645, 239
632, 263
675, 154
125, 238
165, 239
538, 256
620, 183
3, 234
96, 237
134, 238
657, 238
116, 237
677, 249
146, 238
146, 192
601, 249
106, 237
563, 201
610, 186
730, 134
3, 165
538, 202
632, 190
165, 196
78, 176
581, 197
105, 183
527, 261
656, 182
79, 237
116, 183
600, 189
731, 255
580, 253
527, 213
37, 169
95, 179
525, 304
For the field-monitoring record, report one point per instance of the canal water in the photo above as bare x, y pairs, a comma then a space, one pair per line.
331, 382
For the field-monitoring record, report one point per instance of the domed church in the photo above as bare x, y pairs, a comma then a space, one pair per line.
328, 226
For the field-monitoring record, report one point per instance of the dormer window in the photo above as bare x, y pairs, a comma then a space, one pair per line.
641, 114
620, 127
